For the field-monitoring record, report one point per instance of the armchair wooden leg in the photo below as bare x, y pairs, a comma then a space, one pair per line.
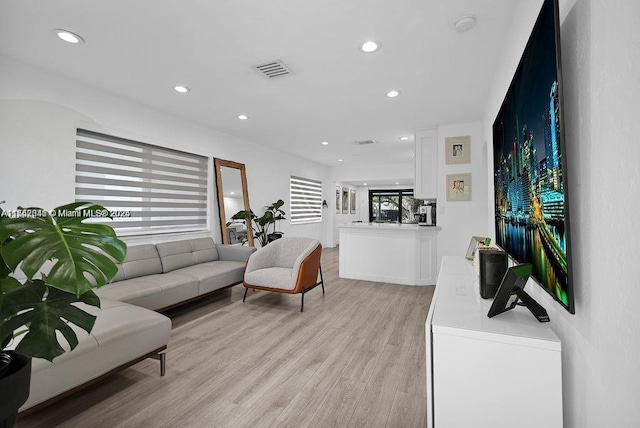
245, 294
321, 279
302, 303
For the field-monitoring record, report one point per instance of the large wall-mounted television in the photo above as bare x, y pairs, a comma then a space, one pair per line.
530, 165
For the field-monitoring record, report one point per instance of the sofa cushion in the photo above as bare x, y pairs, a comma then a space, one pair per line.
274, 277
141, 260
214, 275
204, 250
180, 254
133, 291
153, 291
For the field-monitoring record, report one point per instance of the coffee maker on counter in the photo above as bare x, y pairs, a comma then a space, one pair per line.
427, 213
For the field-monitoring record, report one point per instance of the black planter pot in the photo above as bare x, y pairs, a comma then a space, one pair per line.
5, 363
14, 388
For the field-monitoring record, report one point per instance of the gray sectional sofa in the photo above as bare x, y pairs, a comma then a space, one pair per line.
127, 328
164, 275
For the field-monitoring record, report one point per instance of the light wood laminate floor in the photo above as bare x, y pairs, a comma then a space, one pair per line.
354, 358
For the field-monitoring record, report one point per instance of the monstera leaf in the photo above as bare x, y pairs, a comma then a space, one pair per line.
42, 311
61, 236
81, 255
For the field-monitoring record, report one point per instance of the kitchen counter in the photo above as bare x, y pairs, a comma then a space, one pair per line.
392, 226
389, 252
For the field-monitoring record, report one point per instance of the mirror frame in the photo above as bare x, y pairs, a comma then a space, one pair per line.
219, 163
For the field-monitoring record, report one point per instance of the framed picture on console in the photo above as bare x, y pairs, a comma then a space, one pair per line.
473, 245
337, 199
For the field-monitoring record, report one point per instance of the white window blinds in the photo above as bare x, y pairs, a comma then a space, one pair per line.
306, 200
149, 189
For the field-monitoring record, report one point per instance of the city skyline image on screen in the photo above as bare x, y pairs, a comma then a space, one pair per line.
531, 212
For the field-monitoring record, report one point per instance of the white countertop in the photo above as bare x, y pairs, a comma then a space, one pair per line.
460, 311
388, 226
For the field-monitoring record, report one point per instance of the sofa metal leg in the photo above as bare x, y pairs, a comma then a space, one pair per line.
162, 356
163, 363
245, 294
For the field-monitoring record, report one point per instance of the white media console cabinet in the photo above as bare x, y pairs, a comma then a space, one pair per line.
495, 372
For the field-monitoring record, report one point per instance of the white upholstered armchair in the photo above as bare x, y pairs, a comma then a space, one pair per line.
288, 265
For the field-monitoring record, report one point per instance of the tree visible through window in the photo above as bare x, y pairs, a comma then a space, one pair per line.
393, 206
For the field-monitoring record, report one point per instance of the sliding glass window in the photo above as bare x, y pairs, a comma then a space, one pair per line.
393, 206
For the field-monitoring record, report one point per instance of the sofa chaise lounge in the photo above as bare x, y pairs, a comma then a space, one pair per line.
128, 329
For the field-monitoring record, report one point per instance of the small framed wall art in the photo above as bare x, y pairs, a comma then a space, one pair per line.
458, 187
345, 200
337, 199
458, 149
352, 201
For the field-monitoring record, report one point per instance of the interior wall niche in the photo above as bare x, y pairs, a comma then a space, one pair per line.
233, 196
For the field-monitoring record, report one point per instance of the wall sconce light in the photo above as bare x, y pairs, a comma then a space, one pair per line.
325, 204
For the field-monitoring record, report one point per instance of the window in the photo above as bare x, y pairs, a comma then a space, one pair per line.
306, 200
393, 206
149, 189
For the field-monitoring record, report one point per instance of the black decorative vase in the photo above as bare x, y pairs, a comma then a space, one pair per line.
14, 388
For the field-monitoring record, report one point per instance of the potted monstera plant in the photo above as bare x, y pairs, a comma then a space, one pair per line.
261, 225
49, 262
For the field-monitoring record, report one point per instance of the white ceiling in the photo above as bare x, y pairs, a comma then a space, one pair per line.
141, 49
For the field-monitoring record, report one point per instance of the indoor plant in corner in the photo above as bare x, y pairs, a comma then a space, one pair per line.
262, 224
59, 259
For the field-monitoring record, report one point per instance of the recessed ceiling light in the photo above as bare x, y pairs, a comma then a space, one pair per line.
232, 193
243, 117
465, 23
370, 46
397, 182
325, 143
404, 138
69, 37
339, 160
181, 89
393, 94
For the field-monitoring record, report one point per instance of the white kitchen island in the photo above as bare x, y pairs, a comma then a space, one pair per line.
389, 252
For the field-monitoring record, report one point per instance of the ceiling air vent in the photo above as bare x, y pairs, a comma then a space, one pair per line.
273, 69
365, 142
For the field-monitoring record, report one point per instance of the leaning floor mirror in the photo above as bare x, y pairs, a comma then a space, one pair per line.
233, 196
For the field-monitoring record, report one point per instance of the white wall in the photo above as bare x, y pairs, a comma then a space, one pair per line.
601, 344
348, 175
39, 113
342, 217
363, 172
460, 220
